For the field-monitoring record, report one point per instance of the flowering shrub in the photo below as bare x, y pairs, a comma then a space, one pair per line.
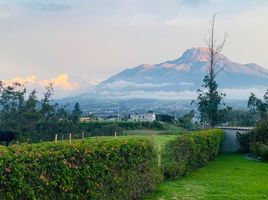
191, 151
112, 169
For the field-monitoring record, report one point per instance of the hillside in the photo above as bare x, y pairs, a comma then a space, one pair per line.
179, 78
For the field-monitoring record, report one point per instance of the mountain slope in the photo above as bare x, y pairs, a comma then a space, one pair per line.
179, 79
182, 76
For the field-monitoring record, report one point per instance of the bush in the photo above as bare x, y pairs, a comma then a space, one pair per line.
109, 169
260, 133
264, 152
107, 130
93, 127
191, 151
256, 141
244, 140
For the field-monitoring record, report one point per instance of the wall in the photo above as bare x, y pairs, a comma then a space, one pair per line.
230, 143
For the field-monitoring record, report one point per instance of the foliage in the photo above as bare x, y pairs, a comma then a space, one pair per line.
92, 128
107, 169
34, 119
165, 118
258, 108
256, 141
209, 98
238, 118
107, 130
264, 152
244, 140
190, 151
186, 120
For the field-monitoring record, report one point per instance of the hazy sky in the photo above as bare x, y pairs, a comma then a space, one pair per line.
77, 43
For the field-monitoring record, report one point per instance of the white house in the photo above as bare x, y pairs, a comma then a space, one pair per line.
147, 117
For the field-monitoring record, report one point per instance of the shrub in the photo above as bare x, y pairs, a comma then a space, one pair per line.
190, 151
109, 169
96, 127
260, 133
107, 130
256, 141
264, 152
244, 140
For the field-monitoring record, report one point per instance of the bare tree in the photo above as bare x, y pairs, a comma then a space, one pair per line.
209, 98
214, 48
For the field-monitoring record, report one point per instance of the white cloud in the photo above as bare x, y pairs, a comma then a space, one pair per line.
243, 93
119, 85
187, 83
232, 94
60, 82
196, 2
139, 94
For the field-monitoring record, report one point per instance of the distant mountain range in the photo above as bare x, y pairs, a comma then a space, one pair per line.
180, 78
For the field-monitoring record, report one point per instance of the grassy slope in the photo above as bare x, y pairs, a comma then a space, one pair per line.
231, 176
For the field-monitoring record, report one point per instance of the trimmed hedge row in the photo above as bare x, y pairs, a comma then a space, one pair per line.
112, 169
190, 151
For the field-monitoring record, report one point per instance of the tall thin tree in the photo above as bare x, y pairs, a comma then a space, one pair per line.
209, 98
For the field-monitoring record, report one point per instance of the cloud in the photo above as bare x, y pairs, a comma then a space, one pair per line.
187, 83
243, 93
21, 80
195, 3
121, 84
139, 94
61, 82
47, 6
4, 8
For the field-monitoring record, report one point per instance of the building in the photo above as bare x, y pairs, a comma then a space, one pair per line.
147, 117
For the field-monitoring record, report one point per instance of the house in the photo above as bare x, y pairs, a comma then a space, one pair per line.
146, 117
85, 119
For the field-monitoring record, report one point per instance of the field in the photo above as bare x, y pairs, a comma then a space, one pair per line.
158, 139
169, 129
231, 176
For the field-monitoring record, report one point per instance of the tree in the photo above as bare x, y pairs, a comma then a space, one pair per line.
258, 108
76, 114
186, 120
209, 98
33, 119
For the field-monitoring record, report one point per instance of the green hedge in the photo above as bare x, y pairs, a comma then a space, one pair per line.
90, 126
190, 151
112, 169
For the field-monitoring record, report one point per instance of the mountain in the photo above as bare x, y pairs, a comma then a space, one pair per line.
180, 78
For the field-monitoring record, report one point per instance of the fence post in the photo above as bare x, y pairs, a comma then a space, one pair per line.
62, 137
115, 134
159, 155
83, 135
70, 138
56, 137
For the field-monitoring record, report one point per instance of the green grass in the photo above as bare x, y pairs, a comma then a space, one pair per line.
143, 132
158, 139
231, 176
169, 130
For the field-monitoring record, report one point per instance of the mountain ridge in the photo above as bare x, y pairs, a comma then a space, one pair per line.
180, 77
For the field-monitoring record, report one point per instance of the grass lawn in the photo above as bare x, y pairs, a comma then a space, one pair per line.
231, 176
158, 139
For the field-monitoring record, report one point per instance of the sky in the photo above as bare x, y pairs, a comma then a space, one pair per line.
77, 43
